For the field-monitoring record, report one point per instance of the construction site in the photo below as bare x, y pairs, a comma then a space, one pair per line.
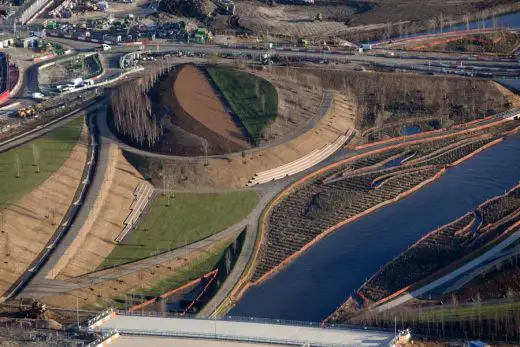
187, 181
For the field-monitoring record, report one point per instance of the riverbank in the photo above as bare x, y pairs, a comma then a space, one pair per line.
438, 252
304, 195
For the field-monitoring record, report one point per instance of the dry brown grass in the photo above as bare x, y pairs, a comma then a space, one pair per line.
30, 222
513, 98
239, 168
299, 95
102, 294
105, 222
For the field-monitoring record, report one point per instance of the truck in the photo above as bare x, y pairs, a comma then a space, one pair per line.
76, 82
302, 42
27, 112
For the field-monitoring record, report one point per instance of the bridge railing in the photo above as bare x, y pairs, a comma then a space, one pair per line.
250, 320
217, 336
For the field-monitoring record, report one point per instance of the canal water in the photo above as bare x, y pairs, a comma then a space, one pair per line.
320, 280
506, 20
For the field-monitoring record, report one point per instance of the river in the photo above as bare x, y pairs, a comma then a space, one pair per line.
506, 20
316, 283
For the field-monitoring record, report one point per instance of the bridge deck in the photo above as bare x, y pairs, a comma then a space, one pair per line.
246, 331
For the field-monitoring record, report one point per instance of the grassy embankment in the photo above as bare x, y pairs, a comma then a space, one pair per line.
189, 218
176, 278
254, 99
52, 149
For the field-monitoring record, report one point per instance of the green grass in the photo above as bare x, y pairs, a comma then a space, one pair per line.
54, 148
464, 313
200, 266
240, 90
189, 218
196, 269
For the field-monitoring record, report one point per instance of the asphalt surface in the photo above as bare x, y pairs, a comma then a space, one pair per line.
268, 191
475, 263
248, 331
39, 131
101, 157
169, 46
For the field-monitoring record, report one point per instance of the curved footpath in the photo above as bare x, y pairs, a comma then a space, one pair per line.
239, 287
325, 105
38, 265
455, 274
45, 287
68, 231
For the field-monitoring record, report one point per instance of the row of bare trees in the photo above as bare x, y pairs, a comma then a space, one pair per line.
390, 97
132, 106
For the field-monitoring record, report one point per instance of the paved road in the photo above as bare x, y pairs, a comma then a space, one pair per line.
452, 275
46, 287
169, 46
246, 331
106, 132
40, 130
266, 195
40, 286
156, 341
101, 157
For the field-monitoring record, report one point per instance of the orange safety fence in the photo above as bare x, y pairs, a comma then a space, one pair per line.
443, 271
244, 283
202, 292
171, 292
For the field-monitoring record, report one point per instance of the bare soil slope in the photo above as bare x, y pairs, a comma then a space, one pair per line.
198, 109
106, 221
30, 222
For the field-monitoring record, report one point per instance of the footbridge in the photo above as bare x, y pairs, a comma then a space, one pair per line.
233, 329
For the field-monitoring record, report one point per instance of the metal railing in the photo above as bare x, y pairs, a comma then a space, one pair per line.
105, 335
217, 336
100, 316
250, 320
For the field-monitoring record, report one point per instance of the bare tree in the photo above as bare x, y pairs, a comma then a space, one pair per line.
205, 146
168, 181
257, 87
441, 21
466, 20
36, 157
18, 165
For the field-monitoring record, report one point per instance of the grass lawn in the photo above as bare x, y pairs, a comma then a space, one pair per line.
53, 148
468, 312
196, 269
202, 265
254, 100
189, 218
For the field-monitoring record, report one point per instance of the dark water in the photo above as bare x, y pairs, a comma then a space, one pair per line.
410, 130
514, 85
506, 20
315, 284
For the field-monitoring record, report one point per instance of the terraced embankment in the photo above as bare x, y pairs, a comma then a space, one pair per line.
438, 252
343, 192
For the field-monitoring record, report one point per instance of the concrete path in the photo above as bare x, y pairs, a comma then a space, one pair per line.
245, 255
247, 331
475, 263
156, 341
325, 104
38, 280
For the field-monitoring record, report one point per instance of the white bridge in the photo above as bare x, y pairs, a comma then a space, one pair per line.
231, 332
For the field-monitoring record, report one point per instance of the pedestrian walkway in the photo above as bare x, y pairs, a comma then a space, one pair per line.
246, 331
302, 164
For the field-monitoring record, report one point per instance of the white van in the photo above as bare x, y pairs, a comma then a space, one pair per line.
104, 47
